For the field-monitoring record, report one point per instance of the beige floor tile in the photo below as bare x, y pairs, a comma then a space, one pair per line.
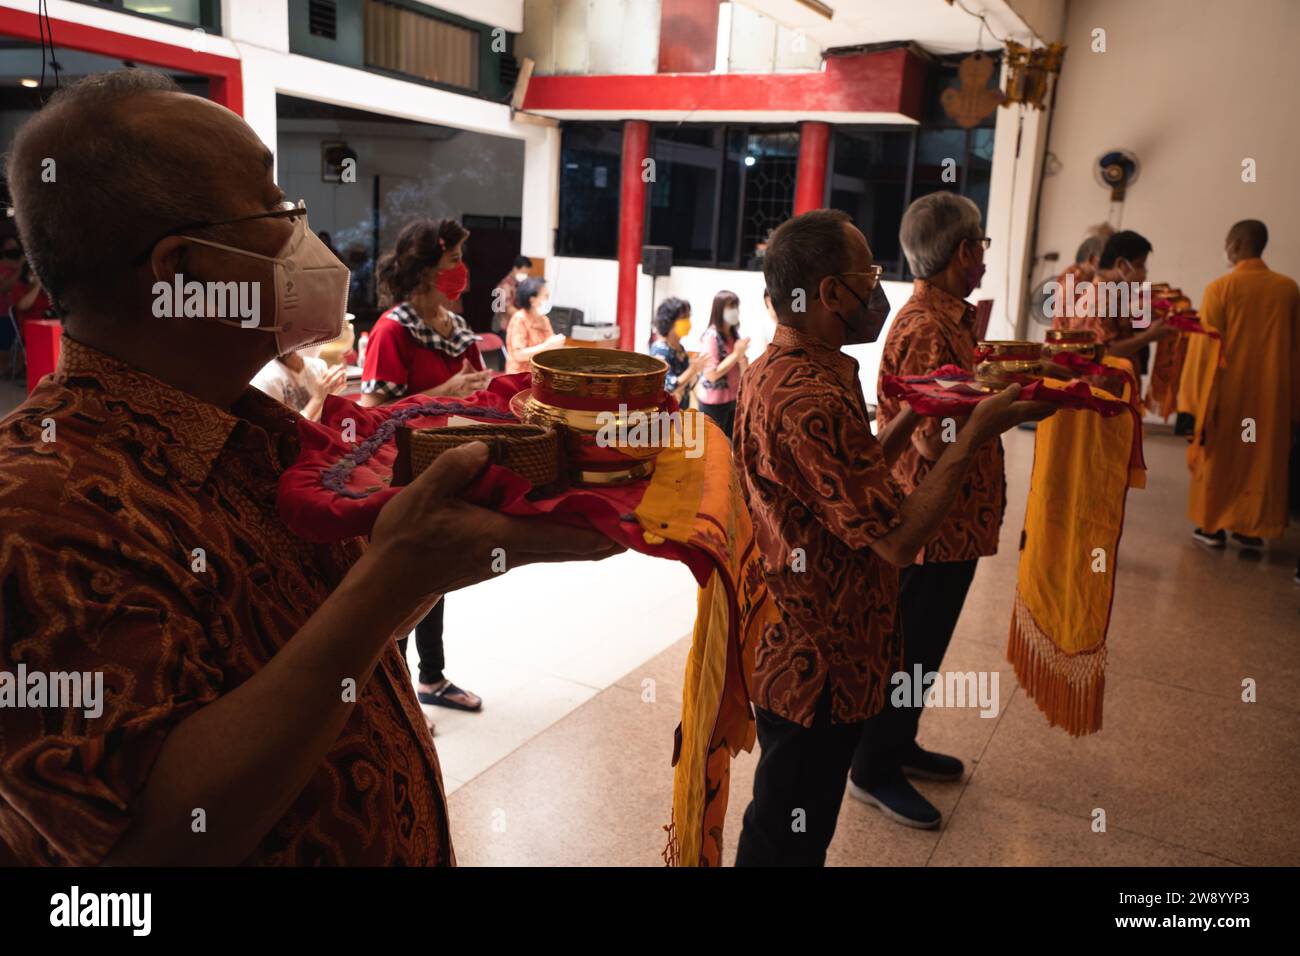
595, 789
992, 829
1178, 766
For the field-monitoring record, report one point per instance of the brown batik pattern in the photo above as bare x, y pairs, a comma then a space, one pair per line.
820, 493
100, 531
934, 328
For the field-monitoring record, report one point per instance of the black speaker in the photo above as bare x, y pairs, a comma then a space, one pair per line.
656, 260
563, 319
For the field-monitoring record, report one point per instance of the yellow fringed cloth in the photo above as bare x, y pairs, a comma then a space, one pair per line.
698, 502
1084, 464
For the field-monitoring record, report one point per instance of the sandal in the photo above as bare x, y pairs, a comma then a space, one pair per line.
446, 697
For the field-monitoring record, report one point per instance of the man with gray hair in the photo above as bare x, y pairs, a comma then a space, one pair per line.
256, 709
942, 238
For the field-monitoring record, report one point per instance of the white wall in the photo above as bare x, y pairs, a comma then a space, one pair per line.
592, 285
1013, 186
581, 36
1193, 87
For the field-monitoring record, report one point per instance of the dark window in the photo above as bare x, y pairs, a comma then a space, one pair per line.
192, 13
719, 190
590, 158
869, 181
684, 193
769, 168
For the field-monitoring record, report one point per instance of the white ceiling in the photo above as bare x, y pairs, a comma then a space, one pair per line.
933, 24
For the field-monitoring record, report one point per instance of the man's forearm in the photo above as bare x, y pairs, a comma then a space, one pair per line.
924, 510
244, 758
896, 436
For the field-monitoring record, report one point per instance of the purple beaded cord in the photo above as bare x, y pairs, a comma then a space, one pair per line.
335, 477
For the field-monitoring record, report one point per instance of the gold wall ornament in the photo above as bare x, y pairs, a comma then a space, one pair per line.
1028, 70
972, 99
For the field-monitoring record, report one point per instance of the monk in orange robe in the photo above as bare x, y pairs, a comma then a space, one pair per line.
1248, 410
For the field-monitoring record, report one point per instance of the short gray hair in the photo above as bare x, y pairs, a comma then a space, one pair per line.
1090, 247
117, 185
932, 229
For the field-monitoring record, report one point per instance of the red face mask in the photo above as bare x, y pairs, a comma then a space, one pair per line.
452, 282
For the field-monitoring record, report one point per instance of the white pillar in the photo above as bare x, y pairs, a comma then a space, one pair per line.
541, 190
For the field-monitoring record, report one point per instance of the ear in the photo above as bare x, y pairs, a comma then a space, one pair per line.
830, 292
966, 253
166, 258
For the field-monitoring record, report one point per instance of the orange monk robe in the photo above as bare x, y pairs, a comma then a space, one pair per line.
1240, 484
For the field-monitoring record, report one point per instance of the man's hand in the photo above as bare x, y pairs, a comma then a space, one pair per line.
1002, 412
431, 542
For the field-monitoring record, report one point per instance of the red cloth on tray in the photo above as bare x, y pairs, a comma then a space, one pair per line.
950, 390
336, 488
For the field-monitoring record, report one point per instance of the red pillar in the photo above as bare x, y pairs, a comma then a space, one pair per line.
631, 226
810, 186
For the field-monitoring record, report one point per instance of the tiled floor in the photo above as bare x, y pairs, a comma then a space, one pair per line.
569, 763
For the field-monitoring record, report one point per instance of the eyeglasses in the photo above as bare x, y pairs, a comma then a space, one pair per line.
873, 273
284, 210
984, 241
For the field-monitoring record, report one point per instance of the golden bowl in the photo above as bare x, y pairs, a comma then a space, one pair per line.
1004, 362
1092, 351
592, 446
1081, 342
598, 379
1072, 336
1009, 349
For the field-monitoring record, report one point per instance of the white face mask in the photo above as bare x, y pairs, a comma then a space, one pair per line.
731, 317
521, 276
311, 290
542, 308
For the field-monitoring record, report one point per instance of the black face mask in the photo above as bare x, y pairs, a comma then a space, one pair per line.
868, 319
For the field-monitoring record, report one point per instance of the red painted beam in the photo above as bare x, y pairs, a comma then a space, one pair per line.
226, 83
810, 185
884, 82
631, 226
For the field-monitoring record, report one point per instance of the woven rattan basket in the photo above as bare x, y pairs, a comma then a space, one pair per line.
529, 450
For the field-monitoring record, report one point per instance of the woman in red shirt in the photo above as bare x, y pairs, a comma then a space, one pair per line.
420, 347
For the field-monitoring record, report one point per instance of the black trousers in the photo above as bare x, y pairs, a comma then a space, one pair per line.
930, 598
428, 645
723, 415
798, 787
